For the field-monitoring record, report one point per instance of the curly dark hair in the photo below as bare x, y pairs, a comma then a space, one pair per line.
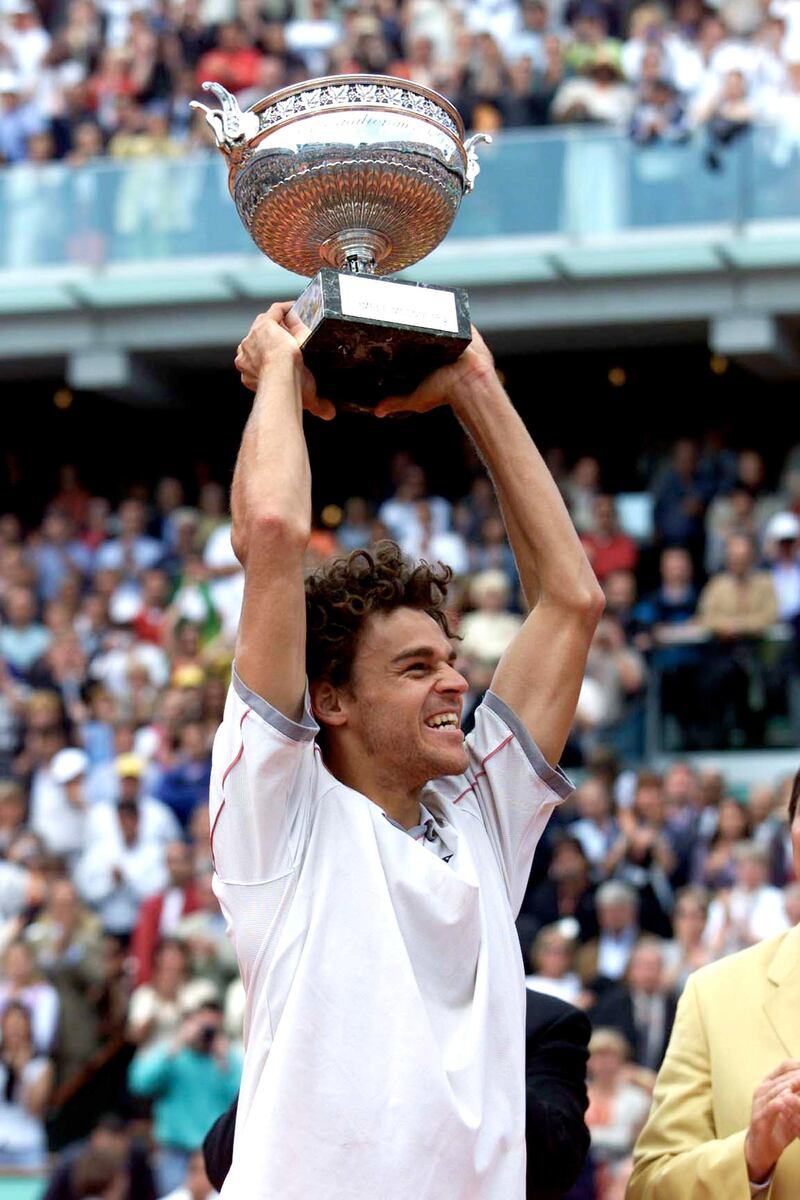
345, 591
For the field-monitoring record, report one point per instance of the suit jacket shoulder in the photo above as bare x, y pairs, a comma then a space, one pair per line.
736, 1022
555, 1070
547, 1013
752, 964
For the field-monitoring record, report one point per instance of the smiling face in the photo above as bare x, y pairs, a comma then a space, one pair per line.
402, 707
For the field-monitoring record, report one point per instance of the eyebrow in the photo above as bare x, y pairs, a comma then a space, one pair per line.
423, 652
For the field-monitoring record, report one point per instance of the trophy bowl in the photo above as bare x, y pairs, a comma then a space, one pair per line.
355, 175
330, 168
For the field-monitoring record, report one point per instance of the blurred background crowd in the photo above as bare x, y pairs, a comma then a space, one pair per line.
120, 1002
80, 79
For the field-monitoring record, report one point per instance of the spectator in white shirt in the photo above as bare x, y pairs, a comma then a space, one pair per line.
125, 656
782, 549
58, 810
595, 829
157, 822
425, 542
768, 67
498, 17
22, 882
115, 875
528, 40
784, 114
601, 96
19, 119
133, 551
788, 11
696, 58
606, 957
25, 40
102, 782
488, 631
581, 488
399, 513
751, 911
315, 36
648, 32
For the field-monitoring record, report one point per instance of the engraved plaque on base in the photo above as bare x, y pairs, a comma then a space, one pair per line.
369, 338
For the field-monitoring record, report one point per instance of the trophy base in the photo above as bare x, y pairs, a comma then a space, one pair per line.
369, 338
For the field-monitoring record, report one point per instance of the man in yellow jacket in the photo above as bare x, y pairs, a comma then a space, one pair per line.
726, 1109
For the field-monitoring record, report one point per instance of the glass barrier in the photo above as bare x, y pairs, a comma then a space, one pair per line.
572, 181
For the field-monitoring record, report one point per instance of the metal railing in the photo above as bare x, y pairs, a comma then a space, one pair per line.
703, 693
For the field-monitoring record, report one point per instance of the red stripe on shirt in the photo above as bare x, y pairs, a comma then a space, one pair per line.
225, 775
504, 742
484, 761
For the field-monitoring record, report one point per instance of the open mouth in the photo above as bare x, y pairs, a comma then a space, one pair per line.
443, 722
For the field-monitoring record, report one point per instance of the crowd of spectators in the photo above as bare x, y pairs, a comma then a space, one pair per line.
120, 1003
80, 79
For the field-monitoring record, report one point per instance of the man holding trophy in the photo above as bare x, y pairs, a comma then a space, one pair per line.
369, 859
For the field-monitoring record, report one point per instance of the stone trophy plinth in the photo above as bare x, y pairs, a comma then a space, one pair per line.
348, 179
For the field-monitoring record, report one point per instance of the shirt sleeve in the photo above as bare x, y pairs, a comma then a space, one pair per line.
513, 788
261, 788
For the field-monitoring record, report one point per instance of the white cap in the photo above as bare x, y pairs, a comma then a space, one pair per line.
9, 83
124, 606
783, 527
69, 764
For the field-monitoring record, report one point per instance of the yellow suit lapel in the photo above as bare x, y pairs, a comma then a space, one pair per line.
782, 1005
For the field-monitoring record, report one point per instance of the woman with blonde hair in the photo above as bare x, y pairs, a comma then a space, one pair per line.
687, 949
552, 962
618, 1107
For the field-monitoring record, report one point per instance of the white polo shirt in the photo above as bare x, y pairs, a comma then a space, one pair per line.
385, 997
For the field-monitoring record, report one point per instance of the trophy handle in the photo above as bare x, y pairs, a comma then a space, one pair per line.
473, 166
231, 126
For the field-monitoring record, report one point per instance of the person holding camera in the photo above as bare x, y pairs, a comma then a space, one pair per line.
191, 1079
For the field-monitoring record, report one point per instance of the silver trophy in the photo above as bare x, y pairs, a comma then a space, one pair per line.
346, 179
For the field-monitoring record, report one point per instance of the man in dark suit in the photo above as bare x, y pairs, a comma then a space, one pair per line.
642, 1009
556, 1037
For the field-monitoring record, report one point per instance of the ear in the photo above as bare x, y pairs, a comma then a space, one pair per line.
327, 704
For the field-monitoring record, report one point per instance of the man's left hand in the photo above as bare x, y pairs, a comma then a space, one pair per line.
450, 384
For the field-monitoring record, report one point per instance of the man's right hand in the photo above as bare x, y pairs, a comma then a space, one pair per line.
774, 1121
455, 383
276, 336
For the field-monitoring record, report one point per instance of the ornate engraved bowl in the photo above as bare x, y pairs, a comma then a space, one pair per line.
358, 172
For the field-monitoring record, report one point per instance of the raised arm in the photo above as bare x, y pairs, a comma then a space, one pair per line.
271, 509
540, 674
